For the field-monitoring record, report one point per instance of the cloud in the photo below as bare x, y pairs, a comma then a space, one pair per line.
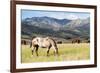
72, 16
54, 14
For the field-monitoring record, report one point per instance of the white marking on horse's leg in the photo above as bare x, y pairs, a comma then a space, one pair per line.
55, 50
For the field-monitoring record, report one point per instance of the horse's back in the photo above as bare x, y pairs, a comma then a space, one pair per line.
44, 42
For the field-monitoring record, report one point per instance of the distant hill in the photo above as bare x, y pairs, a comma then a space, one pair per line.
60, 28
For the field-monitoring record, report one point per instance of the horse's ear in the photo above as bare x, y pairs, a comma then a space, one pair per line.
33, 37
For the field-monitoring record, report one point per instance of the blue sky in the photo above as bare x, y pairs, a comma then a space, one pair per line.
54, 14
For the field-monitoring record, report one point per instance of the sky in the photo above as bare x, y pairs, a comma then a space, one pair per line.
54, 14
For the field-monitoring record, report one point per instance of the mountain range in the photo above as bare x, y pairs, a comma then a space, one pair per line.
61, 28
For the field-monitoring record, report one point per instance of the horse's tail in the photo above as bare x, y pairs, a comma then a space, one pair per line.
55, 45
31, 44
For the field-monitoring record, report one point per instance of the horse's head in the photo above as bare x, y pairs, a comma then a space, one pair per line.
35, 41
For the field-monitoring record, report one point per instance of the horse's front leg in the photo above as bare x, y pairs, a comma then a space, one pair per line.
33, 50
37, 50
48, 50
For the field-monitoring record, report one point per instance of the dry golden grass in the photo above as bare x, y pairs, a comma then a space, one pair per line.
67, 52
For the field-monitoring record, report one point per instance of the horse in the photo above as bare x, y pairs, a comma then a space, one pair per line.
40, 42
76, 40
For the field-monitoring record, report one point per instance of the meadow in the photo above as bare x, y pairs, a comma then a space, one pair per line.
67, 52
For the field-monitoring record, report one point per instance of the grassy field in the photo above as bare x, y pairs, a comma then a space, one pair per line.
67, 52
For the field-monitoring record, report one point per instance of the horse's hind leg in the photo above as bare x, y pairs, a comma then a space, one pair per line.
55, 51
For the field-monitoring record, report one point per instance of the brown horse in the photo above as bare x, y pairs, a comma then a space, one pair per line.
76, 40
43, 43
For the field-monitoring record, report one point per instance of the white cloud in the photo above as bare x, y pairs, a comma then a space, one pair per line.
72, 16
